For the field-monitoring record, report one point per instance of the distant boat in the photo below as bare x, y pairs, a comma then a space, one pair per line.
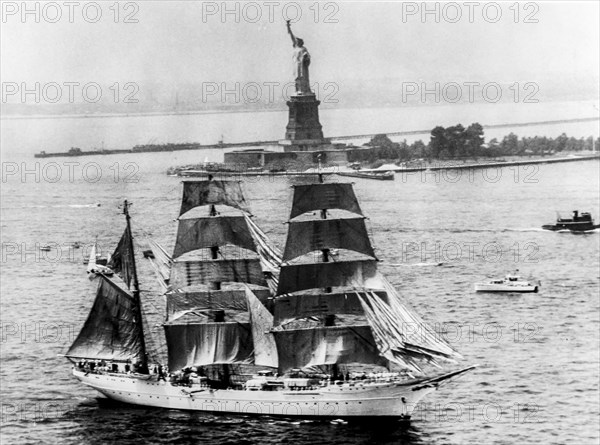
97, 264
46, 248
510, 283
381, 176
577, 223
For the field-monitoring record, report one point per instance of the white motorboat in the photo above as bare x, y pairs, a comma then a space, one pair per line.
510, 283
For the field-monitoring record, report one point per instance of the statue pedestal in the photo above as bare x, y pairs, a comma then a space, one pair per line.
304, 131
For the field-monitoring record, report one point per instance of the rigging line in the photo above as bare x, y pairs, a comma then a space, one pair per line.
161, 199
403, 310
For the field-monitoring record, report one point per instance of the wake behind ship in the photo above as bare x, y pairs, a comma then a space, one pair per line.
314, 332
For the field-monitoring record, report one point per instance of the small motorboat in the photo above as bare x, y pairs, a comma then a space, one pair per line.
46, 248
510, 283
577, 223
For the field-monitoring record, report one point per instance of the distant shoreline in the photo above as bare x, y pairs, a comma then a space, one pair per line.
465, 166
328, 171
520, 124
154, 148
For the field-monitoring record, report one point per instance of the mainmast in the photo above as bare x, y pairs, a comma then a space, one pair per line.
216, 285
208, 319
136, 288
316, 325
341, 310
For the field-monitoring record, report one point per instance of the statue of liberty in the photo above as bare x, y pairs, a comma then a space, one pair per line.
301, 60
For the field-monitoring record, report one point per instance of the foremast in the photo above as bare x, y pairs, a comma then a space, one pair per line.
113, 331
136, 286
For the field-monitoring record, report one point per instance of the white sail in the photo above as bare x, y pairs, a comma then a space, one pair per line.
270, 255
402, 336
205, 343
92, 261
261, 321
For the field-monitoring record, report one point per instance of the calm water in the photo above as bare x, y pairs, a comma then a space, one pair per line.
538, 353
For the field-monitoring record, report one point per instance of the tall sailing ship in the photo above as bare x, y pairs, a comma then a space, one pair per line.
315, 331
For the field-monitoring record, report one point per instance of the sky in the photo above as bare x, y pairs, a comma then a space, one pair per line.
192, 42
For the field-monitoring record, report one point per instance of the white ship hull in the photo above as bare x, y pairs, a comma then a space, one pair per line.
489, 287
349, 400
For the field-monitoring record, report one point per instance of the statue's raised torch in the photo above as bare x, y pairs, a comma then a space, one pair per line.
301, 59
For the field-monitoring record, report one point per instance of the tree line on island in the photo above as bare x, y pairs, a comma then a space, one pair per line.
457, 142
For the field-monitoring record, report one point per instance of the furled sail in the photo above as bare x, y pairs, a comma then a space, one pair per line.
357, 274
200, 193
122, 260
200, 233
301, 348
261, 322
201, 344
307, 236
110, 332
311, 197
189, 273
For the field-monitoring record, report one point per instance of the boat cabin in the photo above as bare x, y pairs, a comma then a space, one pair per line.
576, 217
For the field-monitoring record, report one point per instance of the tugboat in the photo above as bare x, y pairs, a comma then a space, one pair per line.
578, 223
510, 283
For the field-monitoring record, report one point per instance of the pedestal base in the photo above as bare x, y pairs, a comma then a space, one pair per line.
303, 128
306, 145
